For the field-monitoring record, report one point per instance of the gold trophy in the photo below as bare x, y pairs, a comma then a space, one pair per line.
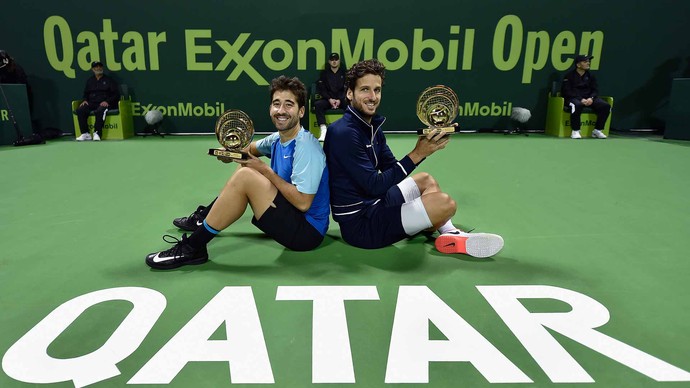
234, 131
437, 107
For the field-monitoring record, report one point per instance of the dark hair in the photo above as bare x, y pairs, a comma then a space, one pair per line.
4, 55
327, 65
292, 84
360, 69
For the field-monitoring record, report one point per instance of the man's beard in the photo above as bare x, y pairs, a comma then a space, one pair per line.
289, 124
360, 106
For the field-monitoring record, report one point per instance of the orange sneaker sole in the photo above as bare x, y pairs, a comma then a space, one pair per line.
475, 244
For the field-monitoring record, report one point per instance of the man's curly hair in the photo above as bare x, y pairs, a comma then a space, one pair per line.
292, 84
360, 69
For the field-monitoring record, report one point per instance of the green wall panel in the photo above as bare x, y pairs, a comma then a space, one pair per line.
193, 59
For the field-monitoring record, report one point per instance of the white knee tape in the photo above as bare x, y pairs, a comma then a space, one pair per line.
409, 189
414, 217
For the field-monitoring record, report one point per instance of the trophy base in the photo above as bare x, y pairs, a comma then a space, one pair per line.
445, 130
227, 154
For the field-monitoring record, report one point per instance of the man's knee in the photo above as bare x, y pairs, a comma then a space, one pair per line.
444, 207
574, 106
425, 181
603, 107
439, 207
243, 174
449, 204
321, 105
83, 111
246, 178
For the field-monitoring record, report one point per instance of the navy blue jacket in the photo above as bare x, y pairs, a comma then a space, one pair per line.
104, 89
361, 165
579, 86
331, 85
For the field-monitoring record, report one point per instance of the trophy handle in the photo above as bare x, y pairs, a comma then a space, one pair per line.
446, 130
227, 154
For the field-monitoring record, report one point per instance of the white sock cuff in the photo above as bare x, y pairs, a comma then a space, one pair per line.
447, 227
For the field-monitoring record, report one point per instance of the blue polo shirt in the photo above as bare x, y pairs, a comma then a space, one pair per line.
301, 161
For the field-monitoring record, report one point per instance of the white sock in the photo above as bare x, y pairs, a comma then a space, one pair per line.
447, 227
323, 127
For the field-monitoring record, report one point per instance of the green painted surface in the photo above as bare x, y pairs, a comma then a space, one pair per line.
607, 219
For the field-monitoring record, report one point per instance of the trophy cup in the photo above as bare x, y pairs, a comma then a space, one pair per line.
234, 131
437, 107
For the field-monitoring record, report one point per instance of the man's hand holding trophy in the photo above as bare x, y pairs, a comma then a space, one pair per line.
437, 107
234, 131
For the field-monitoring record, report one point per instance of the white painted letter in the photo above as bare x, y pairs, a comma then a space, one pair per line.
331, 354
28, 360
411, 350
244, 349
578, 325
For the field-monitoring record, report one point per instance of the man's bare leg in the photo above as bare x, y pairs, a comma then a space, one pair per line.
245, 187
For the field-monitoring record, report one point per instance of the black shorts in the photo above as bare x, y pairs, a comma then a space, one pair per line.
288, 226
378, 225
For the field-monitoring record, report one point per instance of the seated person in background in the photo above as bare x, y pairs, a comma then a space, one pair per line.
100, 94
579, 90
12, 73
331, 87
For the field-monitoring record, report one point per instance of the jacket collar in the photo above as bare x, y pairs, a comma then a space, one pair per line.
376, 121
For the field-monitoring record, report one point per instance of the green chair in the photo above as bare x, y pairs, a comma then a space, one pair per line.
119, 124
558, 118
331, 114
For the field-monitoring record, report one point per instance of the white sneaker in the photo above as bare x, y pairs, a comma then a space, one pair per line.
84, 136
96, 137
598, 134
473, 244
575, 134
323, 133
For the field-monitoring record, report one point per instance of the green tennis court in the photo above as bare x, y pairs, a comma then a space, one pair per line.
591, 287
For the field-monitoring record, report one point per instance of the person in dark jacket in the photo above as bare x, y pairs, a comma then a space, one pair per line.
373, 197
12, 73
579, 90
331, 88
101, 93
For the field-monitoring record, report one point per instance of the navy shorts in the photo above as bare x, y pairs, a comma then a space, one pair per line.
378, 225
288, 226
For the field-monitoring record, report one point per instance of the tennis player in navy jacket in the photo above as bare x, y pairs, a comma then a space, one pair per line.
373, 196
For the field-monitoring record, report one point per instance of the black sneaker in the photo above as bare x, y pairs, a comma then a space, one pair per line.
192, 222
181, 254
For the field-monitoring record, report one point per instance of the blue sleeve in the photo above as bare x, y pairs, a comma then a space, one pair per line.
264, 145
308, 164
